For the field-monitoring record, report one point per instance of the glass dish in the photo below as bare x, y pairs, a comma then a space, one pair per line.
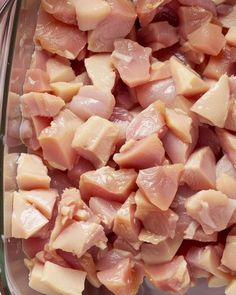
17, 24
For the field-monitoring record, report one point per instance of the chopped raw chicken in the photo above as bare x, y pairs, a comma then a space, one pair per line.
31, 173
56, 140
213, 106
40, 104
160, 71
132, 62
28, 134
160, 184
200, 170
212, 209
66, 90
95, 140
90, 14
59, 38
92, 100
36, 80
228, 143
231, 36
229, 251
171, 277
231, 288
149, 121
10, 166
230, 122
116, 25
229, 20
59, 70
158, 35
206, 4
107, 183
187, 82
145, 153
97, 64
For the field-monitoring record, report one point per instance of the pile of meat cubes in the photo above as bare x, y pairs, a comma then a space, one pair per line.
128, 114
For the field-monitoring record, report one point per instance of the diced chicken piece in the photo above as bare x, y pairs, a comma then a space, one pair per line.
191, 18
82, 78
228, 143
231, 288
63, 280
160, 184
158, 35
107, 183
208, 39
162, 252
59, 70
10, 171
124, 246
191, 54
110, 258
92, 100
160, 71
28, 134
126, 225
187, 82
128, 278
65, 90
61, 10
229, 20
117, 25
125, 96
132, 62
214, 104
97, 64
231, 36
36, 80
212, 209
56, 140
31, 173
39, 59
230, 122
40, 104
147, 9
91, 14
43, 200
59, 38
90, 234
180, 124
183, 104
207, 137
106, 210
149, 121
40, 123
200, 170
161, 223
145, 153
206, 4
229, 251
26, 219
171, 277
150, 92
95, 140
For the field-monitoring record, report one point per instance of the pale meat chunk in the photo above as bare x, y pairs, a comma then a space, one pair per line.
63, 280
117, 25
149, 121
231, 36
97, 64
145, 153
56, 140
26, 219
90, 234
229, 20
228, 143
212, 209
230, 122
208, 39
59, 70
206, 4
43, 200
171, 277
57, 37
90, 14
158, 35
160, 71
10, 171
150, 92
39, 123
126, 225
226, 177
187, 82
163, 252
61, 10
162, 224
106, 210
228, 256
95, 140
108, 183
109, 258
200, 170
213, 106
36, 80
132, 62
160, 184
28, 134
180, 123
128, 278
231, 288
66, 90
92, 101
40, 104
31, 173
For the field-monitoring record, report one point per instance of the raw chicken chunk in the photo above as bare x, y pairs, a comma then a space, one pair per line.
36, 80
229, 251
59, 70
